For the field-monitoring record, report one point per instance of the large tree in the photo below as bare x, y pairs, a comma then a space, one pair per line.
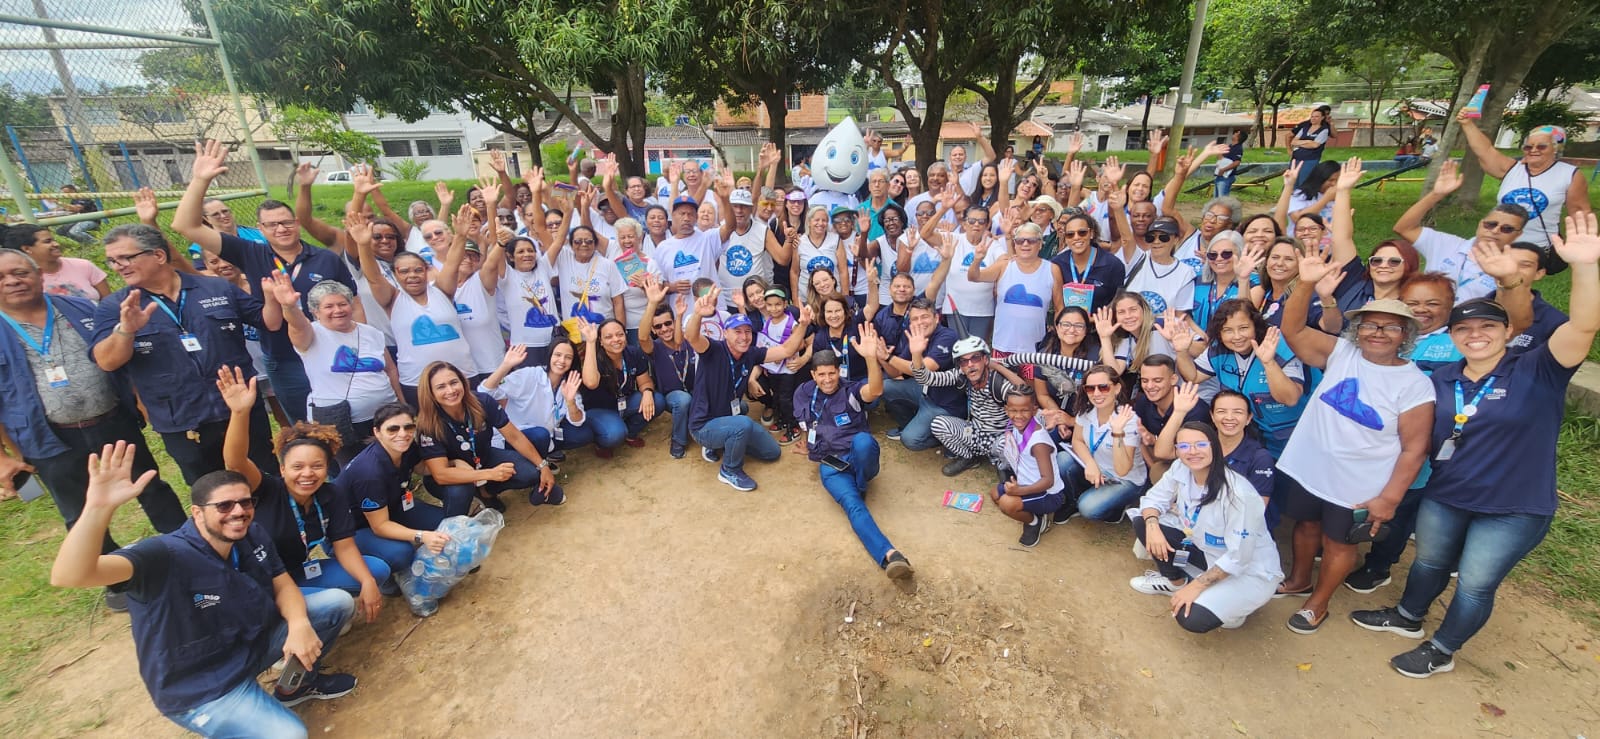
1149, 60
491, 57
1270, 50
940, 43
1572, 61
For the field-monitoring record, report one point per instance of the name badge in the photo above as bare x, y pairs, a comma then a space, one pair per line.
1446, 450
190, 343
622, 404
56, 376
313, 569
811, 437
407, 502
735, 409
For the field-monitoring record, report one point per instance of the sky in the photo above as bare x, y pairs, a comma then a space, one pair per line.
32, 71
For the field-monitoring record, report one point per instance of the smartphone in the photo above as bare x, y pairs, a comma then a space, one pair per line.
835, 462
30, 489
293, 675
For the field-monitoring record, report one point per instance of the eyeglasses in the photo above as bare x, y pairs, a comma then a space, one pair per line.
583, 242
1392, 329
125, 261
1504, 228
972, 359
890, 219
1184, 446
1155, 236
977, 221
1530, 148
1101, 388
507, 218
386, 237
434, 233
395, 428
1027, 241
1216, 217
1073, 326
275, 225
226, 507
1081, 233
1219, 256
1385, 261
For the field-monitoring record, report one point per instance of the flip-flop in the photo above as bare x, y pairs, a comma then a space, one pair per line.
1281, 593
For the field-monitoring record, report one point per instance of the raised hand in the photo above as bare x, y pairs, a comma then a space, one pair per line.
1266, 349
1116, 195
238, 393
130, 317
806, 315
1497, 260
706, 305
145, 205
1174, 330
1329, 283
1349, 175
534, 177
570, 385
1582, 243
364, 179
280, 288
490, 189
1185, 398
305, 175
1157, 142
1105, 323
1291, 174
1007, 168
1186, 159
1121, 418
768, 157
210, 160
947, 244
1075, 172
588, 331
869, 342
1075, 143
1248, 261
1214, 149
870, 266
1314, 267
1449, 179
442, 193
654, 290
111, 480
497, 161
917, 340
359, 227
949, 196
1113, 170
725, 182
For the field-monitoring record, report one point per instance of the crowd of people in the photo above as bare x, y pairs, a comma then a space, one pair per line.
1109, 357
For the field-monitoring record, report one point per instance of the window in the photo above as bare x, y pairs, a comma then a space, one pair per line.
437, 148
791, 101
603, 107
424, 147
397, 148
101, 114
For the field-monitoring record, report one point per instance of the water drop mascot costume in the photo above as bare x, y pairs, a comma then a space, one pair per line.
839, 167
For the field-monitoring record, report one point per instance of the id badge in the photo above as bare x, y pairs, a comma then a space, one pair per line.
1446, 450
190, 343
622, 405
313, 569
811, 437
1180, 558
407, 502
57, 376
735, 409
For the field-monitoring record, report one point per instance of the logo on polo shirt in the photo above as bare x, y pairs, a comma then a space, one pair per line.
203, 601
368, 504
261, 553
215, 301
317, 277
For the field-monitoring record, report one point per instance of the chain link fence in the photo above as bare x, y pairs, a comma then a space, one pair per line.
100, 98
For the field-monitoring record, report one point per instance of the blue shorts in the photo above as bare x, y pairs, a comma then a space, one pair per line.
1041, 504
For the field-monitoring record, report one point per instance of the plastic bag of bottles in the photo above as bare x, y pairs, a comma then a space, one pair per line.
432, 575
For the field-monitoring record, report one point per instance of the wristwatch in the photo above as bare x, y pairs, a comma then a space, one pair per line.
416, 538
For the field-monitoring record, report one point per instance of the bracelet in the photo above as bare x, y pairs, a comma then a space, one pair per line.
1118, 436
117, 329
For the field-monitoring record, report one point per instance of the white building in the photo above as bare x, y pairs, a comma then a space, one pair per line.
444, 140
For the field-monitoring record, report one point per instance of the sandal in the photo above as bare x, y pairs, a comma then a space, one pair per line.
1281, 593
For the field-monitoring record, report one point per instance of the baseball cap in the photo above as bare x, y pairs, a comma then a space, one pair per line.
1479, 308
776, 292
1165, 225
685, 200
740, 197
839, 210
737, 320
1549, 261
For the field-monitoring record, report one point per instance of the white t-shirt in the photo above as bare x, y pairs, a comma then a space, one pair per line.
688, 259
744, 255
531, 402
480, 324
1018, 453
1166, 285
347, 366
1097, 436
1345, 446
812, 257
600, 278
773, 333
972, 298
1452, 255
428, 333
377, 317
925, 261
887, 254
831, 199
530, 303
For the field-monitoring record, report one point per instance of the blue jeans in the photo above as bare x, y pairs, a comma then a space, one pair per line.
737, 436
81, 232
848, 487
248, 710
335, 576
458, 498
912, 411
678, 405
396, 555
1104, 503
611, 426
1482, 547
289, 381
1223, 184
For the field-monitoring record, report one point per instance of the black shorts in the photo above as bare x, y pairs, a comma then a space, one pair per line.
1301, 505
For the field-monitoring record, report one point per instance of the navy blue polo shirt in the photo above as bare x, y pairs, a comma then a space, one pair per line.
1254, 463
201, 622
1105, 273
1272, 310
836, 418
1546, 319
674, 369
1505, 460
461, 441
1355, 287
371, 482
313, 265
852, 366
328, 517
179, 387
891, 327
720, 381
1154, 420
952, 399
634, 363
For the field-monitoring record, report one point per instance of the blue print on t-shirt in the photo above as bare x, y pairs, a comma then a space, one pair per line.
345, 359
1345, 398
424, 331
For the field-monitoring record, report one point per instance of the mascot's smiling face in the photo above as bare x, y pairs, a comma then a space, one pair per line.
840, 161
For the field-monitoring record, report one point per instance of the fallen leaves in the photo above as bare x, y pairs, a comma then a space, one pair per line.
1303, 667
1146, 672
1492, 709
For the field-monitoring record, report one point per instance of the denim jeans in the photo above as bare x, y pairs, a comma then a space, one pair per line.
1223, 184
848, 487
1104, 503
81, 232
289, 381
335, 576
1483, 547
737, 436
678, 402
396, 555
458, 498
611, 426
912, 411
248, 710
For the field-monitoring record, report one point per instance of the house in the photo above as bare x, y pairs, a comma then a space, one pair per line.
444, 140
740, 132
1100, 128
1201, 126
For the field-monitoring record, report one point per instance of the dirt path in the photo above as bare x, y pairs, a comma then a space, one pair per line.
660, 602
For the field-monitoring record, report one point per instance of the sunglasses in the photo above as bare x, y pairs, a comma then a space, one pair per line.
661, 326
1027, 241
385, 237
583, 242
1219, 256
1078, 234
1157, 236
395, 428
1101, 388
1385, 261
1530, 148
1184, 446
1504, 228
972, 359
438, 232
977, 221
226, 507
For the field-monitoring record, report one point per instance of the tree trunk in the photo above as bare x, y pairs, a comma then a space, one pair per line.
629, 123
1003, 106
1275, 106
926, 135
1508, 67
1144, 123
778, 130
1261, 124
1464, 91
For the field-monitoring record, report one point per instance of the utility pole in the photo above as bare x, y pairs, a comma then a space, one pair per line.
1191, 57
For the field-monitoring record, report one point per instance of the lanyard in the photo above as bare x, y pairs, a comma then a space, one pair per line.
1191, 516
1465, 411
466, 440
1095, 442
622, 380
183, 294
1215, 298
43, 346
1072, 267
234, 554
300, 523
812, 406
681, 370
844, 353
295, 273
1027, 433
738, 371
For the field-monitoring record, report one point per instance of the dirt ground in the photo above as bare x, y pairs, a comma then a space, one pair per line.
660, 602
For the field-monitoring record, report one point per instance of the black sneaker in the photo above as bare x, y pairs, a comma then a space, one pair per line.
1301, 623
323, 687
710, 455
958, 465
1387, 619
1031, 532
492, 501
897, 568
1423, 661
1064, 514
1366, 581
556, 456
678, 450
116, 602
556, 496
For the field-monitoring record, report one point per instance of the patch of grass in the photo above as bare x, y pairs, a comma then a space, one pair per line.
1564, 563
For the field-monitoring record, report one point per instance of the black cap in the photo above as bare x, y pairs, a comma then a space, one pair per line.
1549, 261
1165, 224
1479, 308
